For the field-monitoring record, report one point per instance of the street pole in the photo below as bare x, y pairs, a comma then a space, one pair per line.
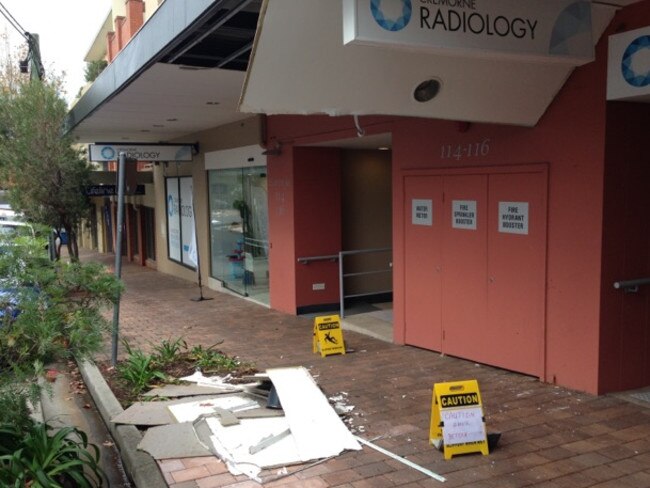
118, 253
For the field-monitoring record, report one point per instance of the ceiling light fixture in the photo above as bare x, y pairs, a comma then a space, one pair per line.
427, 90
383, 148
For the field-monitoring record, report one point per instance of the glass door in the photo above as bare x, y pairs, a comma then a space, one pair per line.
239, 230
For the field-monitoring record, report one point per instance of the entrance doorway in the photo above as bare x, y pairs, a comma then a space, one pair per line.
475, 264
239, 230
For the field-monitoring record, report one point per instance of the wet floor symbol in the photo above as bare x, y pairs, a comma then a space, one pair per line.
329, 338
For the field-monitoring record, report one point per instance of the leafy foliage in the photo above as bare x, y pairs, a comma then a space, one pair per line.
60, 307
93, 69
33, 457
139, 370
209, 359
45, 174
169, 350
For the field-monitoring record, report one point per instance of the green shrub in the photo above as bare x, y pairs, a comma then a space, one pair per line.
169, 351
32, 457
60, 316
209, 359
139, 370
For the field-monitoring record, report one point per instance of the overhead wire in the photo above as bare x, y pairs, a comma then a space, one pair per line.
13, 22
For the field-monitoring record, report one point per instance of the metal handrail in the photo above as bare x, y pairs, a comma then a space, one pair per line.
631, 286
342, 275
332, 257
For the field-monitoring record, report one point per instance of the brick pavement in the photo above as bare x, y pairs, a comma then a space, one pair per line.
552, 437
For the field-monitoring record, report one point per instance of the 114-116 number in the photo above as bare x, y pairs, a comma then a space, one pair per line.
461, 151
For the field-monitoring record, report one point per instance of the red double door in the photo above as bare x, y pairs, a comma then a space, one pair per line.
475, 266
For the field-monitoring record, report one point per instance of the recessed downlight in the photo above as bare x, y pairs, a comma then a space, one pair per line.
427, 90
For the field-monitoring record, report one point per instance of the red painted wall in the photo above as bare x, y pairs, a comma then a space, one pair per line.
317, 197
570, 138
625, 317
282, 253
304, 221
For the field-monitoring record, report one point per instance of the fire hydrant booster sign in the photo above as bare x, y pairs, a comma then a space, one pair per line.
534, 30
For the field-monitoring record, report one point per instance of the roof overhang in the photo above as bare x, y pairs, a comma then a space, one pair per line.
300, 65
181, 73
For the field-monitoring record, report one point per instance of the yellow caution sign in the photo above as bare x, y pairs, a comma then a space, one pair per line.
328, 335
457, 418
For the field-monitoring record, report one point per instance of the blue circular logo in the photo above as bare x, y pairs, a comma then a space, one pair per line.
108, 153
170, 205
392, 24
631, 76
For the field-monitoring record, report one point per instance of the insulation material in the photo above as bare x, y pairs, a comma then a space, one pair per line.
317, 429
211, 381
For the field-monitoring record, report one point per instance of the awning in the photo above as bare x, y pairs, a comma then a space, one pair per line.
300, 65
181, 73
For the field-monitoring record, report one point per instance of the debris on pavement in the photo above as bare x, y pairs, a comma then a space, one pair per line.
279, 419
179, 391
156, 442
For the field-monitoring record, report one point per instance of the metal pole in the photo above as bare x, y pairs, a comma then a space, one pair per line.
118, 254
341, 292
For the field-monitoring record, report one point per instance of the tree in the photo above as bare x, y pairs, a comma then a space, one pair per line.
93, 69
45, 174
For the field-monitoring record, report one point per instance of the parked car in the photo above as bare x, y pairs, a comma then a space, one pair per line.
11, 228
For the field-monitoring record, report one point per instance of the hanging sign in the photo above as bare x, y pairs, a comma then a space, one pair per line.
628, 66
457, 418
557, 31
513, 218
463, 214
422, 212
328, 336
140, 152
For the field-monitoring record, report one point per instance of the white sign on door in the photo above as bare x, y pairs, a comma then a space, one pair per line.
513, 217
422, 212
463, 214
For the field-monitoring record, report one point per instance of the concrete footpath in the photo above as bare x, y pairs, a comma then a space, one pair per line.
552, 437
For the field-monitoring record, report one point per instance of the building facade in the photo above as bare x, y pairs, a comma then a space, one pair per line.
498, 224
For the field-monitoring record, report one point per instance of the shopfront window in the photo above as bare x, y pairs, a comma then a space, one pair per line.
239, 230
180, 221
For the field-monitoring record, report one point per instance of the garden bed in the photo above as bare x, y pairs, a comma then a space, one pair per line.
172, 360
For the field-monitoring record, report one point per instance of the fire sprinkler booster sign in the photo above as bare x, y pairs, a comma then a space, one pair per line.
463, 214
533, 30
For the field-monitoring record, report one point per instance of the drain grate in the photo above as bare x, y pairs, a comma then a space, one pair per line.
643, 396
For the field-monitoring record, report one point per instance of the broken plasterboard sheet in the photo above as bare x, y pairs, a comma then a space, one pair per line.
178, 391
256, 413
318, 430
173, 441
233, 443
151, 413
189, 412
